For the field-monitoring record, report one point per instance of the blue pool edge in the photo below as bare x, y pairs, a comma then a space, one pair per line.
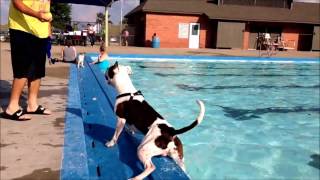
215, 58
74, 163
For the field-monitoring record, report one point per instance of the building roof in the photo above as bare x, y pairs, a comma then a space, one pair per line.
87, 2
308, 13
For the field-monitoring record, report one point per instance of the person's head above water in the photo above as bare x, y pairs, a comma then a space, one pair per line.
102, 48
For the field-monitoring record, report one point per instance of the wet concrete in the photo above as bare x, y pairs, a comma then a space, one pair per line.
59, 123
41, 174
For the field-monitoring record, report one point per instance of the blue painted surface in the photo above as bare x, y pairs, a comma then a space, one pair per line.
74, 162
98, 126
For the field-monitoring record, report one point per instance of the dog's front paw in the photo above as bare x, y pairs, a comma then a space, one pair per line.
110, 143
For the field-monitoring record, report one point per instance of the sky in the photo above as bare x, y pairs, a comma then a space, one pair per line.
78, 14
91, 11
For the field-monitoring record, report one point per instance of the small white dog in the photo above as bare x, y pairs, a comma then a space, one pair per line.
80, 60
131, 108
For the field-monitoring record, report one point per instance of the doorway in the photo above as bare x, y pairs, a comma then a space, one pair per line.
194, 35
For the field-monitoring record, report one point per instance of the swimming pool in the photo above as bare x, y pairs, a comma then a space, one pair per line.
261, 121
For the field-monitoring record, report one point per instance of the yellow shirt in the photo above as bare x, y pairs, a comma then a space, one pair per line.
30, 24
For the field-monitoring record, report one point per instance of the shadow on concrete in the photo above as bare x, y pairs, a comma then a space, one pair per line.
45, 173
75, 111
5, 92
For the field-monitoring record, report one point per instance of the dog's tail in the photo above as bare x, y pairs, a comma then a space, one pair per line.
195, 123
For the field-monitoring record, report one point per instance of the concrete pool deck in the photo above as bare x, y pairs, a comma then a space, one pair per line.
33, 149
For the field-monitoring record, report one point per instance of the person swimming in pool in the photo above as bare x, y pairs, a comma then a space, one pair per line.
102, 60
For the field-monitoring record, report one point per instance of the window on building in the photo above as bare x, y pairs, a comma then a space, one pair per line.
183, 30
213, 1
195, 29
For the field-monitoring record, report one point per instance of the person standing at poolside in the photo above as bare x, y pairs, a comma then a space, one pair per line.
29, 22
91, 34
125, 35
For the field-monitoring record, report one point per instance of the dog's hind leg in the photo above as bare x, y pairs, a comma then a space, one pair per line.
177, 158
145, 153
149, 167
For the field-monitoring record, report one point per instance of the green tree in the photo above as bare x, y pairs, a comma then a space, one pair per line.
100, 19
61, 15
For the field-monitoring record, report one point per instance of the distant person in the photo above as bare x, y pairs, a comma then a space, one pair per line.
84, 34
60, 38
69, 28
69, 53
125, 35
29, 23
102, 60
267, 38
91, 34
154, 36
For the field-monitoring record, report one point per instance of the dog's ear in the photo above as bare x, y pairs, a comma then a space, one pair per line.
116, 65
111, 72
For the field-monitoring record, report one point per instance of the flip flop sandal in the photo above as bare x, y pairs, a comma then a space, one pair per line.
15, 116
40, 110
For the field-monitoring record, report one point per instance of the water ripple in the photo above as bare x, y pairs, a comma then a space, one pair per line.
238, 75
248, 114
198, 88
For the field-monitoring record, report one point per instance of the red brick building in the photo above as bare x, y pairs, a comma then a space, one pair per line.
226, 23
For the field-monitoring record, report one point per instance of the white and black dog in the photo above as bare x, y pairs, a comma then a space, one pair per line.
131, 108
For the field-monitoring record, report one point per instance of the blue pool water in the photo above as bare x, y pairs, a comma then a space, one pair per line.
261, 121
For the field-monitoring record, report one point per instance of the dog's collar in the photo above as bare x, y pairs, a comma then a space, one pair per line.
129, 94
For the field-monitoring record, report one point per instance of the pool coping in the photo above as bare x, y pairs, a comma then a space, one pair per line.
74, 158
158, 57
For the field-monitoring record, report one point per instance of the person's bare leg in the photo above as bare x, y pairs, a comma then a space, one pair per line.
34, 87
17, 87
